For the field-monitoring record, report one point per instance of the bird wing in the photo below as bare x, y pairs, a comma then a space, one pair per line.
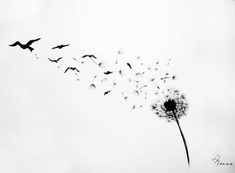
108, 72
93, 56
62, 45
84, 56
16, 43
55, 47
59, 58
66, 69
31, 41
106, 92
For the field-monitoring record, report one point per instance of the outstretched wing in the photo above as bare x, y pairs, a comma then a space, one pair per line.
60, 46
32, 41
77, 70
65, 45
93, 56
55, 47
66, 69
15, 44
59, 59
51, 60
84, 56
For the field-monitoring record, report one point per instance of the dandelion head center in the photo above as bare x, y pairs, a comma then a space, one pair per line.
170, 105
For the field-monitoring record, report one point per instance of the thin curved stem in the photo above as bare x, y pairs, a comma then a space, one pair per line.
182, 135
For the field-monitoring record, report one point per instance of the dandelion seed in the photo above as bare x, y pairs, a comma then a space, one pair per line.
129, 65
101, 64
121, 72
173, 77
125, 97
92, 86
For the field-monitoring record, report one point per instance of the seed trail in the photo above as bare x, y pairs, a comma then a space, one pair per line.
60, 46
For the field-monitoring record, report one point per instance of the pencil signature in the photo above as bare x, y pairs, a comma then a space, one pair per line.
217, 160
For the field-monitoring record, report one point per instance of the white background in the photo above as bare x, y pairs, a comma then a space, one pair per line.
49, 122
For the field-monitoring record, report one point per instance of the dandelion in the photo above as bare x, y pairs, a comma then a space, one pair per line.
172, 106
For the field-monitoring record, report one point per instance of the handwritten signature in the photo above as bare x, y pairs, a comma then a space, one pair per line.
217, 160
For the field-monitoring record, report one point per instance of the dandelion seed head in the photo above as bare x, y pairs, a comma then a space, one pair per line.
172, 103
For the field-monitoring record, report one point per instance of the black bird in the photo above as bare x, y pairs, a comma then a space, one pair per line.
108, 72
55, 60
25, 46
90, 56
60, 46
71, 68
106, 92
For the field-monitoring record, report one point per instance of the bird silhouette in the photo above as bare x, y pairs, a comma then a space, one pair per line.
60, 46
25, 46
106, 92
71, 68
90, 56
55, 60
108, 72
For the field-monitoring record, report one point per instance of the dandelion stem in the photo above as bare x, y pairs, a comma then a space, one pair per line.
182, 135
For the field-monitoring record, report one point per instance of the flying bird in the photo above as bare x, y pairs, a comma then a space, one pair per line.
106, 92
92, 57
55, 60
60, 46
25, 46
108, 72
71, 68
89, 56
